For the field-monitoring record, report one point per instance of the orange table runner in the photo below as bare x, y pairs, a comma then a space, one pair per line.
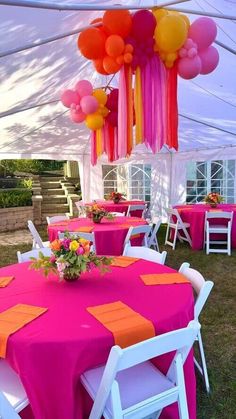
14, 319
84, 229
127, 326
5, 280
123, 261
61, 223
215, 210
164, 279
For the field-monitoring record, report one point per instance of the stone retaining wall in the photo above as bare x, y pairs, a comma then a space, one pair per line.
15, 218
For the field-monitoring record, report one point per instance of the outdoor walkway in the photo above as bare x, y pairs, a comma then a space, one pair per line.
13, 238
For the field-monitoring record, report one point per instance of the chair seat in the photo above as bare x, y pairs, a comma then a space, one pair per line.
11, 387
136, 384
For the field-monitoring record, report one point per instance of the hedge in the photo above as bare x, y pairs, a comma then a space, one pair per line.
16, 198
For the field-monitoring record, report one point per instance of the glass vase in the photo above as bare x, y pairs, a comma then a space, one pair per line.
97, 218
70, 277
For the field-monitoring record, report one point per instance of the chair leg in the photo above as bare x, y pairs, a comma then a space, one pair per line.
207, 241
175, 237
182, 399
203, 362
167, 233
229, 243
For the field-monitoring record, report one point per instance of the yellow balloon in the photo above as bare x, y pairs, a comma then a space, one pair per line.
159, 13
104, 111
94, 121
171, 56
101, 96
186, 19
171, 33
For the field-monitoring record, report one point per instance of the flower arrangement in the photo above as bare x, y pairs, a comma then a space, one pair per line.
97, 212
116, 197
70, 257
213, 198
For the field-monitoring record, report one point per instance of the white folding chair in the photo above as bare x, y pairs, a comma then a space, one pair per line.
133, 231
212, 228
56, 218
25, 257
13, 398
145, 253
80, 205
202, 289
152, 239
87, 236
175, 225
118, 214
130, 386
132, 208
37, 241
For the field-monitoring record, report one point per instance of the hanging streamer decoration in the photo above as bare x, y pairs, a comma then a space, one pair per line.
149, 49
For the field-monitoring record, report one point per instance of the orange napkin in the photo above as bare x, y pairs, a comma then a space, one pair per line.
215, 210
14, 319
123, 261
60, 223
84, 229
164, 279
126, 225
5, 280
127, 326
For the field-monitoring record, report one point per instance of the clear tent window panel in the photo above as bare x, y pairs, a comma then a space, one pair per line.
210, 176
133, 181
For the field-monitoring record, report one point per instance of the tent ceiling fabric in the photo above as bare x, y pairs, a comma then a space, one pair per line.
38, 75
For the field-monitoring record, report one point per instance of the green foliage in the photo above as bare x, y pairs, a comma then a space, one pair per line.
15, 198
27, 183
30, 166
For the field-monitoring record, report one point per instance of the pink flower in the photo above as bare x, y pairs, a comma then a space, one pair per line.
80, 251
66, 244
53, 259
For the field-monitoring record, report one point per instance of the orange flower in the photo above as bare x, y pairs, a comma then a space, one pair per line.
56, 245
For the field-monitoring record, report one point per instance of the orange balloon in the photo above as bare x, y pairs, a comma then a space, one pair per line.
120, 59
91, 43
128, 58
110, 65
129, 48
114, 45
98, 64
118, 22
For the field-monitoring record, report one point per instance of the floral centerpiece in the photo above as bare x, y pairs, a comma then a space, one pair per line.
116, 197
97, 212
70, 257
213, 199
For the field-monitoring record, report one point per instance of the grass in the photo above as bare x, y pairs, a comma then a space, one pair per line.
218, 320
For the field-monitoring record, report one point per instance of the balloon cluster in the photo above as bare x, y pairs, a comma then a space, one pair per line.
198, 56
125, 38
86, 104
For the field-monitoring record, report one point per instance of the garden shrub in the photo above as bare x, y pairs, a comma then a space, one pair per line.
15, 198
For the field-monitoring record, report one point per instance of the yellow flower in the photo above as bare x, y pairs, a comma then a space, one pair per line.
74, 245
84, 242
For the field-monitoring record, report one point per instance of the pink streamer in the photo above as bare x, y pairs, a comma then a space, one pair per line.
163, 96
122, 116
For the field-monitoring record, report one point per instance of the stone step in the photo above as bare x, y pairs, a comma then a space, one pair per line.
51, 178
50, 185
55, 207
54, 199
52, 191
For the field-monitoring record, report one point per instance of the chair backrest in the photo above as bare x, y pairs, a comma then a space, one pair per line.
174, 216
211, 215
145, 253
132, 208
56, 218
87, 236
118, 214
25, 257
200, 286
143, 229
80, 205
36, 237
119, 359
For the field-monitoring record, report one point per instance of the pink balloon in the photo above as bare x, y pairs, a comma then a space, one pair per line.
210, 59
183, 53
143, 25
77, 117
84, 88
68, 97
188, 43
192, 52
188, 68
112, 118
89, 104
203, 31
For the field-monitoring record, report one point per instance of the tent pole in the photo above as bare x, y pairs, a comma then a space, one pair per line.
221, 44
84, 7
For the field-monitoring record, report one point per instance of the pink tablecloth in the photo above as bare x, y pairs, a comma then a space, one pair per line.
109, 234
195, 216
121, 207
51, 352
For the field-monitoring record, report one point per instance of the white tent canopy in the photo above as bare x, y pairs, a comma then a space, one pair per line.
207, 123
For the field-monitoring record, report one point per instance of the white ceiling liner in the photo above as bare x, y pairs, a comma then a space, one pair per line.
38, 75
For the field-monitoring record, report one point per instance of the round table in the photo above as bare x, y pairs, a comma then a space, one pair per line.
195, 216
109, 234
122, 206
52, 351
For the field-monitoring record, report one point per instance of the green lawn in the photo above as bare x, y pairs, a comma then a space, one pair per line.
218, 323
